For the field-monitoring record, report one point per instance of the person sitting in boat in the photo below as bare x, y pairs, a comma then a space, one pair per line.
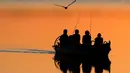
76, 38
86, 40
98, 40
75, 60
64, 39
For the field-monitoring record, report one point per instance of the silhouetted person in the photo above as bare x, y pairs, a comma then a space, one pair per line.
63, 45
86, 40
75, 63
98, 53
98, 40
86, 58
64, 39
76, 37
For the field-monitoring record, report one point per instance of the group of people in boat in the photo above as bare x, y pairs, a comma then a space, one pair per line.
86, 40
92, 55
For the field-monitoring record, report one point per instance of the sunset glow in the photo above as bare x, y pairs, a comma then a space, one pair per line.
37, 26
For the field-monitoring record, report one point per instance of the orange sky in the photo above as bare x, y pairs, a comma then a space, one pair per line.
37, 27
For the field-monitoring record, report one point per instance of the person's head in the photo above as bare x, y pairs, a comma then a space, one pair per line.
76, 31
86, 32
65, 31
99, 35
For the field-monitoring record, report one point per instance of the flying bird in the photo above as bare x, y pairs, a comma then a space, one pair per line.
61, 6
65, 6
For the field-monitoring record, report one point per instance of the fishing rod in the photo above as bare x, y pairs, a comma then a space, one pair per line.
90, 26
78, 19
90, 22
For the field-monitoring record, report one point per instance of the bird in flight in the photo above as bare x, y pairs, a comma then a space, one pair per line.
65, 6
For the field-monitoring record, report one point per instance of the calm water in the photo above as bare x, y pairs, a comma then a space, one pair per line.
35, 63
26, 63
